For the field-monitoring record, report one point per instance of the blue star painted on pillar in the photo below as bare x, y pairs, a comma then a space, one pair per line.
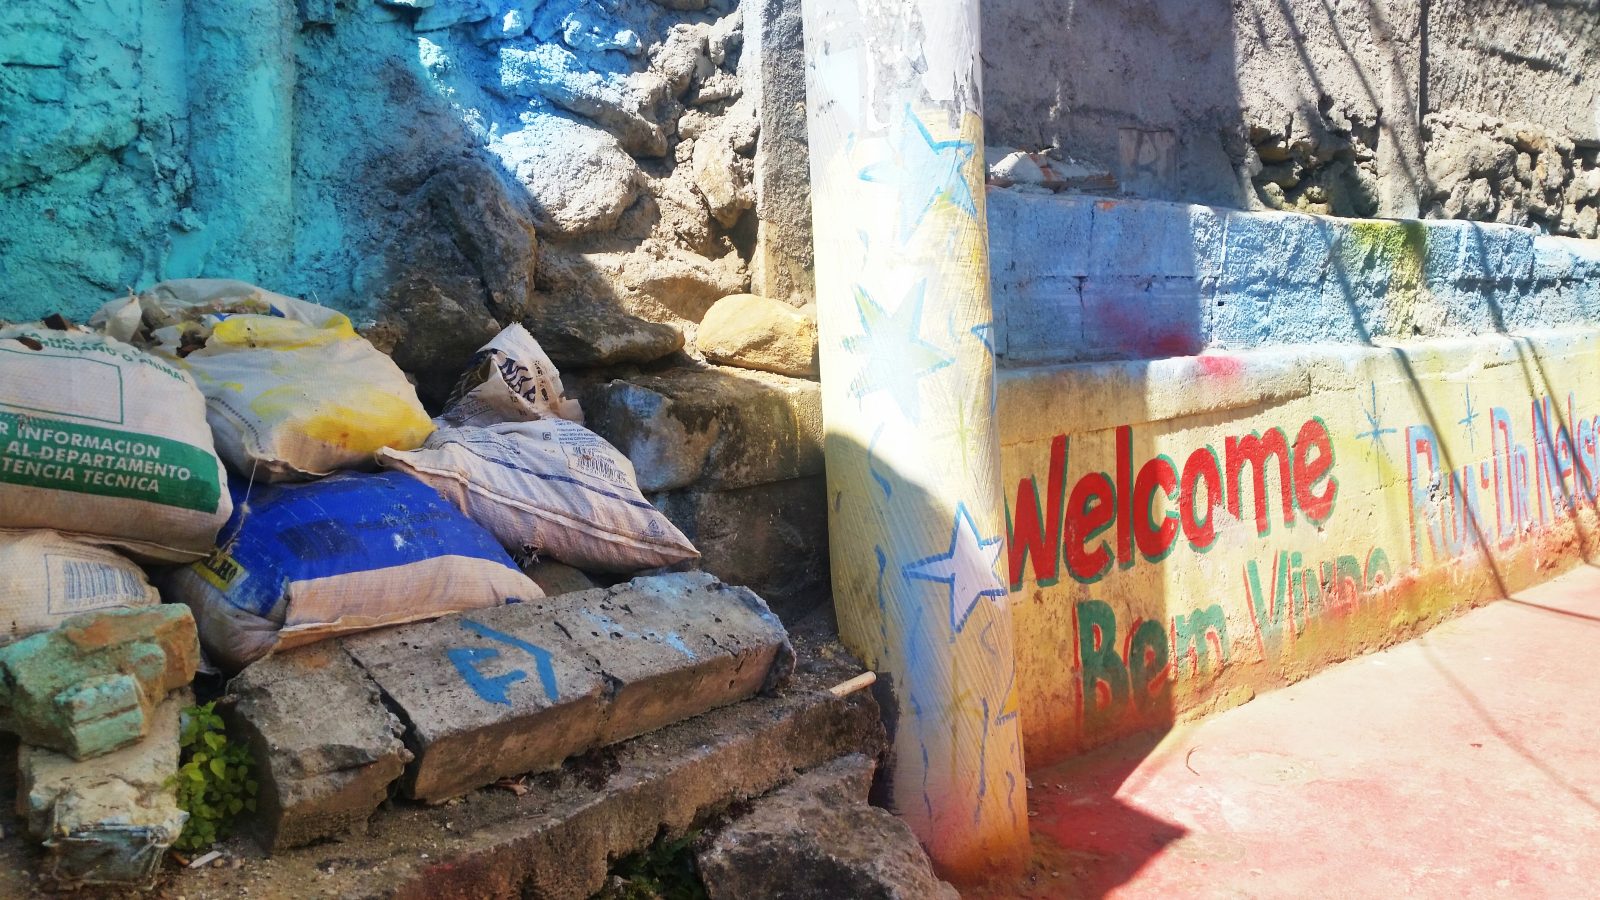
1375, 419
967, 567
985, 335
923, 171
895, 359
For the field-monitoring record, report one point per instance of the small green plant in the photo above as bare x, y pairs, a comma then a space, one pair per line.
214, 783
663, 872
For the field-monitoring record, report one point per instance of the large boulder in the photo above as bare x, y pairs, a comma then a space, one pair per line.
754, 332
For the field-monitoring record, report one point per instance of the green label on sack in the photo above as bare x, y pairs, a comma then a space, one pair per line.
67, 456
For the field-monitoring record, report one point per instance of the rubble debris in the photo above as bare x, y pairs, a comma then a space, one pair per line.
325, 747
91, 686
347, 553
754, 332
107, 820
817, 837
520, 688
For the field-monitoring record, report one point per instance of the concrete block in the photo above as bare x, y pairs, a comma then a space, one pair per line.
674, 646
495, 693
1474, 252
771, 538
1143, 317
718, 428
90, 686
1149, 239
520, 688
817, 837
558, 840
1039, 319
108, 820
1033, 236
325, 747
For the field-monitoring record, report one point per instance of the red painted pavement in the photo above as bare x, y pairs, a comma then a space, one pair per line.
1465, 763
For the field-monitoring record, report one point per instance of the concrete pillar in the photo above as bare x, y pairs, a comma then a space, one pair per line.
916, 532
241, 140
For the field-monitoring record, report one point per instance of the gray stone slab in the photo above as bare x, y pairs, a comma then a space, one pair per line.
107, 820
520, 688
493, 693
325, 748
674, 646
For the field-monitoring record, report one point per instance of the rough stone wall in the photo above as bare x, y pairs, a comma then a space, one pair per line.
434, 167
1354, 107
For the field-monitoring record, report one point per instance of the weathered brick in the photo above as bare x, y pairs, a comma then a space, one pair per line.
325, 747
108, 820
90, 686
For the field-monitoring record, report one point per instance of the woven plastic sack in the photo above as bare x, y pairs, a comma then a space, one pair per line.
301, 563
46, 578
292, 392
549, 487
102, 441
510, 379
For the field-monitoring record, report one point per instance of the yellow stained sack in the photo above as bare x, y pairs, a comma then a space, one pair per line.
292, 392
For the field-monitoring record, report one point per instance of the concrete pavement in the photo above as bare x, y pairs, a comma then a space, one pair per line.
1465, 763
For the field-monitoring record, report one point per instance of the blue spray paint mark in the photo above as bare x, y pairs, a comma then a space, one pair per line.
983, 763
1374, 419
466, 658
493, 690
883, 482
1466, 421
967, 568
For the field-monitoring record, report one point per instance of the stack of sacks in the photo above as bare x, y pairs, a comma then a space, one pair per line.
102, 446
293, 394
511, 454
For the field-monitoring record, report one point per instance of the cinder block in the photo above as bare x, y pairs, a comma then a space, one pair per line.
107, 820
325, 748
91, 685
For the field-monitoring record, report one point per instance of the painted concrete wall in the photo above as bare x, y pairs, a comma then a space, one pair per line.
1185, 531
1079, 278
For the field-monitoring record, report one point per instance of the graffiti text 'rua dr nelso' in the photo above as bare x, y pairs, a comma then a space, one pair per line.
1145, 509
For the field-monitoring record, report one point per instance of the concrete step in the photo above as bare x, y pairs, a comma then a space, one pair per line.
558, 838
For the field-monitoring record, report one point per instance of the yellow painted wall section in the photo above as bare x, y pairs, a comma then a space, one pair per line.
1186, 532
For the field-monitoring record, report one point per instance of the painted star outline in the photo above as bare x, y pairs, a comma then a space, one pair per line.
924, 171
967, 568
896, 358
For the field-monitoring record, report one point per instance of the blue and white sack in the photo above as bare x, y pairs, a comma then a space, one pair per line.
302, 563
